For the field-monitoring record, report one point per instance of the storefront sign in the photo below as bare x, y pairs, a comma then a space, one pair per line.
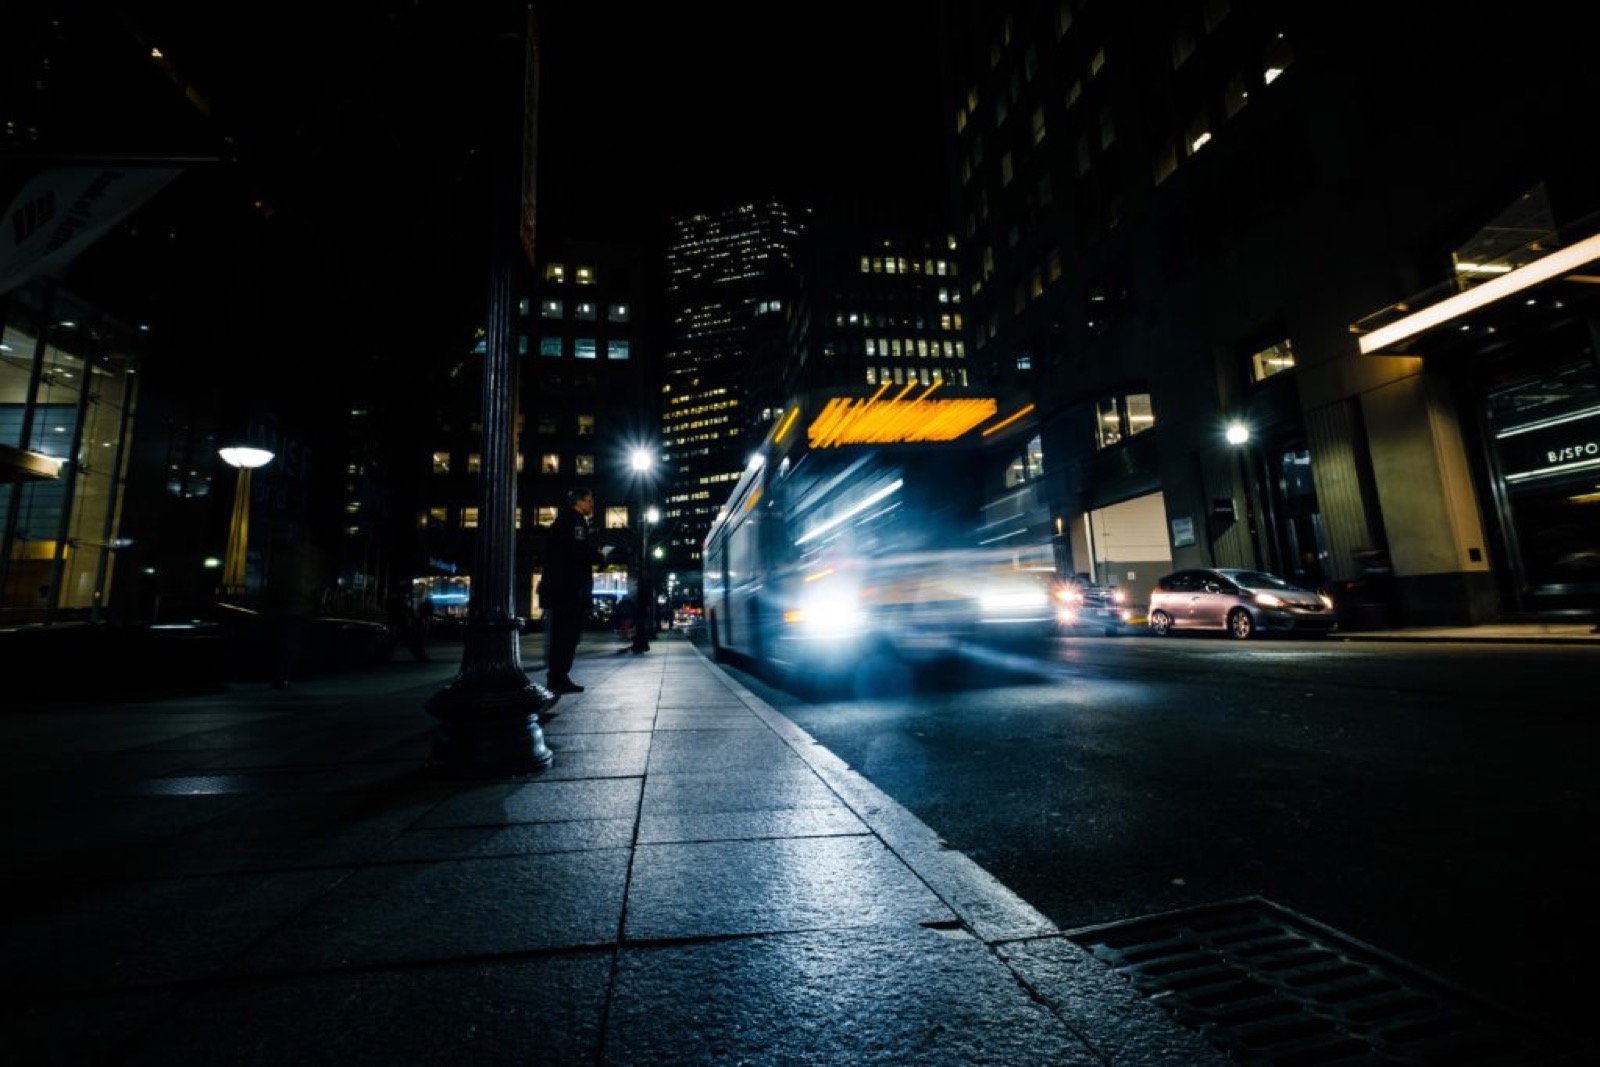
1550, 448
1182, 532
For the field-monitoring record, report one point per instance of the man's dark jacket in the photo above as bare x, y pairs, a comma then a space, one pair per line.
569, 563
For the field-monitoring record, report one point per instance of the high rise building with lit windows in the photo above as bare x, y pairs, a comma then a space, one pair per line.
730, 279
1287, 297
876, 309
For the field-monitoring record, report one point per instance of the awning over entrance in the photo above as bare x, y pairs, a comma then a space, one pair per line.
1520, 275
1560, 280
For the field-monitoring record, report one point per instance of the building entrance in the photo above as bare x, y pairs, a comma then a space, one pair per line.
1544, 448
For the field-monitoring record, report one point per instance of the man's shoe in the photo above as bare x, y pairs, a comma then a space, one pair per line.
567, 686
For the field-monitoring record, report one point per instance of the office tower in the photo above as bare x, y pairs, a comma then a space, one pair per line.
585, 402
875, 309
1291, 221
730, 277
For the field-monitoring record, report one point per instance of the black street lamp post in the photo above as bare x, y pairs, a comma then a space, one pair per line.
489, 714
644, 610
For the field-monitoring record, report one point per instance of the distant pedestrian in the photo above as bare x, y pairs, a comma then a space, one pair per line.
566, 591
425, 618
404, 628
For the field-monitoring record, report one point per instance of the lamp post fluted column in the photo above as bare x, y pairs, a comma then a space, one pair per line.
243, 459
489, 714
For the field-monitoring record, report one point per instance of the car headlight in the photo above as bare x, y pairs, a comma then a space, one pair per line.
1327, 601
1012, 600
1269, 600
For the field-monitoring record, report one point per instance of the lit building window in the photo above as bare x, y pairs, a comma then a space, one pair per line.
585, 425
545, 514
583, 464
586, 311
469, 518
1141, 416
1121, 417
552, 309
550, 346
435, 517
555, 272
441, 463
1274, 359
583, 348
1108, 422
474, 462
617, 349
1279, 56
616, 518
619, 313
550, 463
585, 276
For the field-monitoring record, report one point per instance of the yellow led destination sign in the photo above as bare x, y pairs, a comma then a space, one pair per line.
875, 421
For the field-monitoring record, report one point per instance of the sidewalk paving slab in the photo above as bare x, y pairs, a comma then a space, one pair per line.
272, 876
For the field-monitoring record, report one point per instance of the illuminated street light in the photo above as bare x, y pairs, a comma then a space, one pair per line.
1257, 495
643, 462
244, 459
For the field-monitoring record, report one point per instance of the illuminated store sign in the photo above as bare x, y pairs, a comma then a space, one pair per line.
1565, 445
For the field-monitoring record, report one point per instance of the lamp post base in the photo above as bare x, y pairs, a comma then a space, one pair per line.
490, 734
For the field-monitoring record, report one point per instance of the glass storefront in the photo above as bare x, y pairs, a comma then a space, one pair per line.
1544, 431
66, 415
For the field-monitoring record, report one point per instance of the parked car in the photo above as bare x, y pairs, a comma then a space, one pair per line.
1240, 602
1107, 608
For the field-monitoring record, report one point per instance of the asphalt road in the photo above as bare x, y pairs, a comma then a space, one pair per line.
1438, 802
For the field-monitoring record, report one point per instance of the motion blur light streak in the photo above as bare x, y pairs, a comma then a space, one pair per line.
855, 509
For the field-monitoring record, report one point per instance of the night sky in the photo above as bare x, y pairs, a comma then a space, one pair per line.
645, 109
684, 107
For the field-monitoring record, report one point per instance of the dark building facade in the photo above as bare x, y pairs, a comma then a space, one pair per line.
1179, 217
587, 401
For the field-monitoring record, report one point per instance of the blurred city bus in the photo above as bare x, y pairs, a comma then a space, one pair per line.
859, 531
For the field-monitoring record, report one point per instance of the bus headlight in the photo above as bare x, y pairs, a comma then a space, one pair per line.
827, 612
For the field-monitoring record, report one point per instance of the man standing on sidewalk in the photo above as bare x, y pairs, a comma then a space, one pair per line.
566, 592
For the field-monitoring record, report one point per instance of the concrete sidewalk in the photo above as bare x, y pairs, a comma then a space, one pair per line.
273, 877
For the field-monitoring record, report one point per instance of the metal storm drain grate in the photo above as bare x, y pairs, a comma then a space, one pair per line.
1270, 987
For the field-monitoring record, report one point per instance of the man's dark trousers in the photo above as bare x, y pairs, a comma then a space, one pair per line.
563, 627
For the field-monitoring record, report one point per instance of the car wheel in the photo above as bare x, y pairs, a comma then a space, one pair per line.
1240, 624
1160, 623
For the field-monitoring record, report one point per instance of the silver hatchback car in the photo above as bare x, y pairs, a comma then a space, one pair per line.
1240, 602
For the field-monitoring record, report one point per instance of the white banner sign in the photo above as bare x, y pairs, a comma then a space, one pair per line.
62, 211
